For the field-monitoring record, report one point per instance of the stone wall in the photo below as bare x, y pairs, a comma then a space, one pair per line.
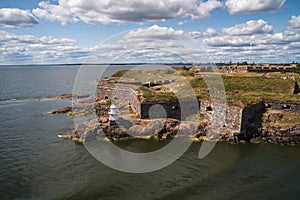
114, 93
233, 116
134, 102
251, 119
177, 110
122, 94
292, 107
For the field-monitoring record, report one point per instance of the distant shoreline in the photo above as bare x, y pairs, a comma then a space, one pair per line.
126, 64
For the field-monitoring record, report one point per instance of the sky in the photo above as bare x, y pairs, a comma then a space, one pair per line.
104, 31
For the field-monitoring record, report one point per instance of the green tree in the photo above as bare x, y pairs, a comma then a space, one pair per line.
296, 69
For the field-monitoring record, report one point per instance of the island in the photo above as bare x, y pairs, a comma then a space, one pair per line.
261, 104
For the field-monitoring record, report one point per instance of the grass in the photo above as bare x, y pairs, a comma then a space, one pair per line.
149, 95
251, 98
258, 84
241, 89
246, 84
281, 75
196, 117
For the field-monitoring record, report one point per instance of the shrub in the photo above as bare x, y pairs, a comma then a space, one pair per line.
120, 73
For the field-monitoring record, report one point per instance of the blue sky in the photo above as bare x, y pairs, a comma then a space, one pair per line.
75, 31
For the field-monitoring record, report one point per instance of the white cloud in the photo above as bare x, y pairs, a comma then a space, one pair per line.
253, 6
279, 39
16, 18
269, 47
195, 34
155, 33
249, 28
157, 44
294, 23
210, 32
152, 44
117, 12
29, 49
232, 41
182, 22
204, 9
162, 44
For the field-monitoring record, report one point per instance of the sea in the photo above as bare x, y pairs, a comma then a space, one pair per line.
36, 164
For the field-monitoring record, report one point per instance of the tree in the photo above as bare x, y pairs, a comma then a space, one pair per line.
296, 69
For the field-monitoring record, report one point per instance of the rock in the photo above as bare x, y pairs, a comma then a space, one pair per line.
64, 96
62, 110
103, 119
103, 101
96, 99
188, 128
136, 130
68, 96
256, 140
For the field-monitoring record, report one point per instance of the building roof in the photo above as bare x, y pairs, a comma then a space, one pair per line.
113, 106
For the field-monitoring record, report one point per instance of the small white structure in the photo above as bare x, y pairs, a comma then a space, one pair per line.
113, 113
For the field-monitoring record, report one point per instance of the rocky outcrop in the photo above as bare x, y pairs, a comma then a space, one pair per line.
101, 128
68, 96
162, 128
83, 108
62, 110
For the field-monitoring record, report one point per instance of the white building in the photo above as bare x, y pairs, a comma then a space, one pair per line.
113, 113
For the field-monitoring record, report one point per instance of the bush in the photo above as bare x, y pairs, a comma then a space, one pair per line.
120, 73
296, 69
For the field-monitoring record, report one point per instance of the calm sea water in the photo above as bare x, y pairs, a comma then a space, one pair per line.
35, 164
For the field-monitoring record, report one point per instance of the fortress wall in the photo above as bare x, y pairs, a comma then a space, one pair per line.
177, 110
134, 102
115, 93
170, 110
233, 116
104, 92
237, 120
292, 107
252, 115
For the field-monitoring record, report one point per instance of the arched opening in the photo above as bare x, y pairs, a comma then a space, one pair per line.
106, 97
267, 105
286, 107
209, 108
116, 98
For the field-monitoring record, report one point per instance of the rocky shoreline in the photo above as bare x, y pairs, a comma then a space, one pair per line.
102, 129
130, 127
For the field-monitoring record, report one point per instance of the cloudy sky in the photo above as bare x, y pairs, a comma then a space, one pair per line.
81, 31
